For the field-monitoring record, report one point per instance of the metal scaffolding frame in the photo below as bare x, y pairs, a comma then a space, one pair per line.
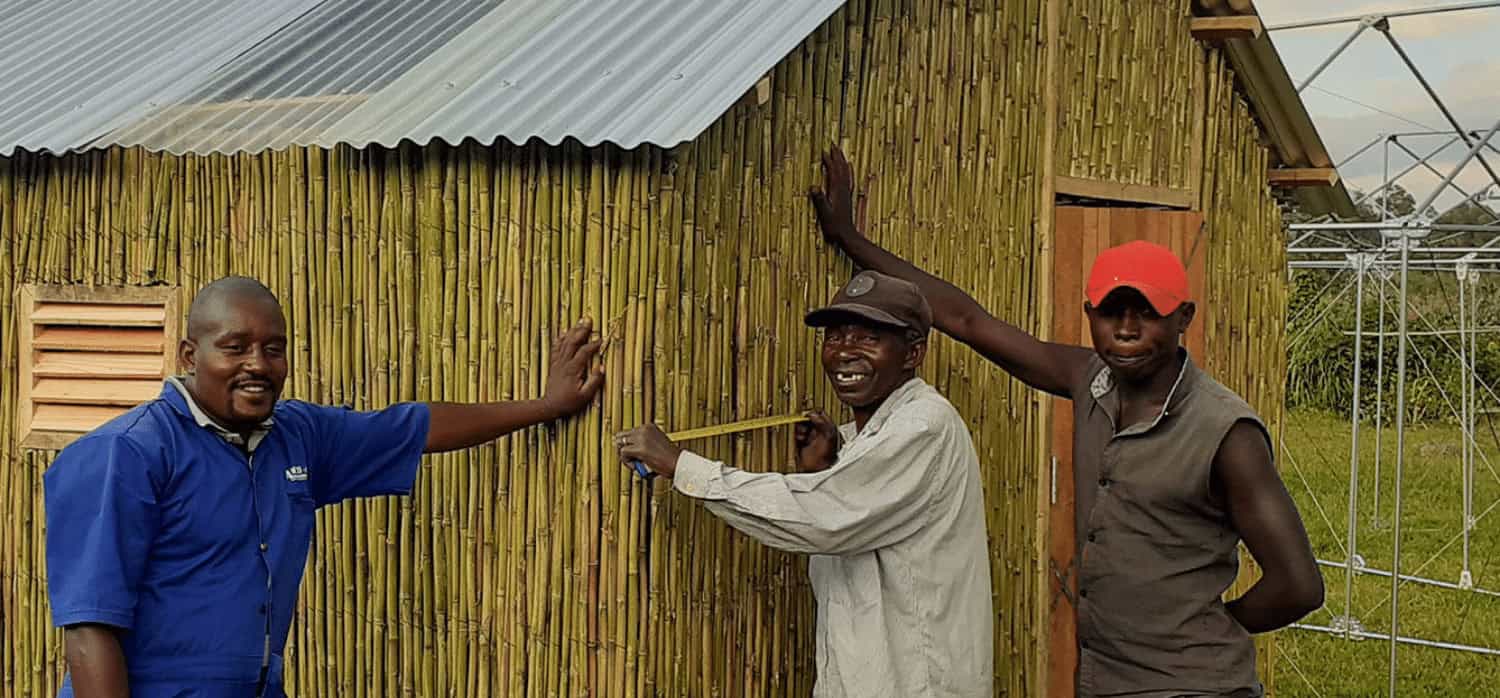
1389, 265
1387, 252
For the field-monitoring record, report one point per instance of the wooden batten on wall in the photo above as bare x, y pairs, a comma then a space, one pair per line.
1126, 193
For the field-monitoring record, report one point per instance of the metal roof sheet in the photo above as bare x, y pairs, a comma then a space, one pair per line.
203, 76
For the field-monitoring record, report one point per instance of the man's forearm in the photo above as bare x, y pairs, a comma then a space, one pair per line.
96, 663
951, 306
1049, 367
457, 425
1268, 607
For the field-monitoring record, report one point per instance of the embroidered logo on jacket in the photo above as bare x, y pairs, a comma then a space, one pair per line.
296, 473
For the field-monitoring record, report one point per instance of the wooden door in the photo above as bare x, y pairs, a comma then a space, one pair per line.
1081, 233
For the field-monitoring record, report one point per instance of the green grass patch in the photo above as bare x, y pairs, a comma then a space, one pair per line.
1315, 466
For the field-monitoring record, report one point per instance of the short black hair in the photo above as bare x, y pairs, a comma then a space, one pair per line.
211, 297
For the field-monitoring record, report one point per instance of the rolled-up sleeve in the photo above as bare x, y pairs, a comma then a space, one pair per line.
876, 496
102, 514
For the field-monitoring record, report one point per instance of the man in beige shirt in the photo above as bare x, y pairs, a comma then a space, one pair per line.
889, 508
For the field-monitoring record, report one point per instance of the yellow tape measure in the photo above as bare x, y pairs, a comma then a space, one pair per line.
721, 430
736, 427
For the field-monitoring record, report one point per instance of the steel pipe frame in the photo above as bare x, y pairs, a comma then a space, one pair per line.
1361, 262
1366, 635
1447, 114
1379, 403
1364, 23
1385, 176
1418, 250
1466, 335
1398, 225
1396, 579
1391, 181
1472, 154
1408, 578
1418, 134
1381, 22
1423, 333
1446, 263
1423, 162
1473, 133
1335, 266
1403, 239
1412, 134
1398, 13
1464, 583
1471, 198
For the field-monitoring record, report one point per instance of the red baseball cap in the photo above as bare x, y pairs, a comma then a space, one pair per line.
1146, 267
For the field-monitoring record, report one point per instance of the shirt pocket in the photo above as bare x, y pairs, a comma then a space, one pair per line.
849, 582
299, 495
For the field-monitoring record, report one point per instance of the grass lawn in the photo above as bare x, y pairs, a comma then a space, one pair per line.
1315, 466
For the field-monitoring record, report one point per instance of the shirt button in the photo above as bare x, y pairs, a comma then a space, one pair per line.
262, 609
1104, 482
1093, 537
1083, 593
264, 547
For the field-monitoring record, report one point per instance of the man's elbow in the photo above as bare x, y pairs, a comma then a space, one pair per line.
1307, 595
87, 642
960, 322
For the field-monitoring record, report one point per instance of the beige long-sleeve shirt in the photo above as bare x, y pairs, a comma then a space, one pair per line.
899, 557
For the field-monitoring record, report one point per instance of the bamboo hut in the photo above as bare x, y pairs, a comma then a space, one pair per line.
434, 189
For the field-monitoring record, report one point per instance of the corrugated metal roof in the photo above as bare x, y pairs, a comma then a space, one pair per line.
70, 71
209, 76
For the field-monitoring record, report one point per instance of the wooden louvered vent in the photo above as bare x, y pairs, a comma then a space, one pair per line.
90, 354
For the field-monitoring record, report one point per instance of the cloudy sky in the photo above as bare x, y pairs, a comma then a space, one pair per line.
1458, 52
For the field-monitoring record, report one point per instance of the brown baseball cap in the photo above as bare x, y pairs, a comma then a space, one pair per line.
884, 300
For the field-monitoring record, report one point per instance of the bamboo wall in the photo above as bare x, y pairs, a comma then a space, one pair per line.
536, 566
1130, 91
1246, 299
1247, 289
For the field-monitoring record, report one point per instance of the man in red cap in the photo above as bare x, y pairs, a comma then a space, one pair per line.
1172, 471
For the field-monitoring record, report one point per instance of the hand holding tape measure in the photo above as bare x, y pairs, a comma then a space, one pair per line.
634, 450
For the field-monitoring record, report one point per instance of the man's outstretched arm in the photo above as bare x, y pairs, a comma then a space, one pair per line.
833, 507
1054, 368
571, 386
